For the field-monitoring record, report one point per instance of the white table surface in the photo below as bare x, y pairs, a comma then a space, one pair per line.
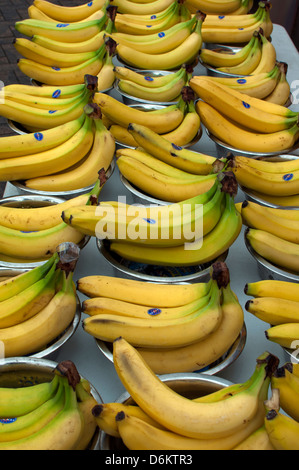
82, 348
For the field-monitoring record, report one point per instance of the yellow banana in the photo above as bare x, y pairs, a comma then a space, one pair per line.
161, 120
188, 130
258, 440
282, 91
287, 384
135, 8
278, 201
245, 7
145, 79
42, 102
64, 92
201, 354
202, 251
106, 76
268, 55
85, 174
184, 53
67, 13
27, 303
37, 14
67, 32
44, 217
280, 252
282, 431
249, 64
239, 138
233, 21
213, 7
86, 403
158, 332
233, 106
273, 310
49, 161
286, 335
201, 420
272, 288
161, 148
18, 401
46, 325
90, 45
42, 119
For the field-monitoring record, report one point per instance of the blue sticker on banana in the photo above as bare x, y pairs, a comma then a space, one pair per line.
288, 176
154, 311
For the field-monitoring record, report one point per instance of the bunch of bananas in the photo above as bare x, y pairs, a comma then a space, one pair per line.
222, 7
175, 179
62, 158
232, 29
164, 419
52, 415
283, 428
273, 181
273, 233
120, 306
244, 123
61, 54
31, 234
189, 233
163, 88
164, 50
38, 304
276, 302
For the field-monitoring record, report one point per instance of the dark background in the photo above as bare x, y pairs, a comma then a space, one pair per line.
283, 12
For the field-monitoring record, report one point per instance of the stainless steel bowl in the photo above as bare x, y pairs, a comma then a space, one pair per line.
222, 363
188, 385
154, 273
22, 189
268, 270
223, 149
26, 371
32, 200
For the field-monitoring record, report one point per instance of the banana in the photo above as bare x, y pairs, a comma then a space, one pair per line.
37, 14
33, 421
106, 76
286, 335
46, 325
234, 106
49, 161
86, 403
136, 8
213, 7
190, 419
235, 35
282, 431
273, 288
66, 13
268, 55
42, 55
185, 53
293, 368
161, 120
257, 86
239, 138
158, 146
282, 91
67, 32
158, 332
13, 285
274, 184
99, 158
249, 64
23, 144
27, 303
145, 79
149, 18
61, 433
42, 119
279, 201
18, 401
166, 188
90, 45
273, 310
158, 43
258, 440
42, 102
201, 354
68, 91
287, 384
280, 252
221, 58
202, 251
245, 7
234, 21
166, 93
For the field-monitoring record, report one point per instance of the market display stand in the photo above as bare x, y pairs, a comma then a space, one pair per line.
82, 348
